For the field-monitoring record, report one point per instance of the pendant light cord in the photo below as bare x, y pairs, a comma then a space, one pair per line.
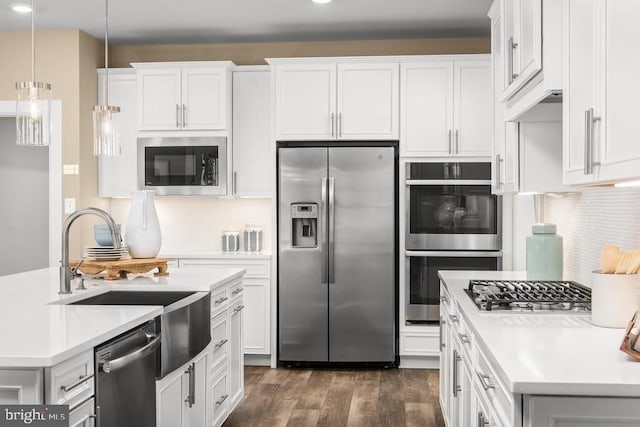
106, 50
33, 41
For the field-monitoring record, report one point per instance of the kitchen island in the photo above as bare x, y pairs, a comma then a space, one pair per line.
46, 345
527, 369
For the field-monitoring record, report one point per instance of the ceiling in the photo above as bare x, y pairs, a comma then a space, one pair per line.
234, 21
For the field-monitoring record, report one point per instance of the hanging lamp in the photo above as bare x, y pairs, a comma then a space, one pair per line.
33, 107
106, 118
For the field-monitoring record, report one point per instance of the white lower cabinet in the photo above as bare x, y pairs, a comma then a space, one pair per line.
181, 396
219, 397
83, 415
573, 411
236, 356
21, 386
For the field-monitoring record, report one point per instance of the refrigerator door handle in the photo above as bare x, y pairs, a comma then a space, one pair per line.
332, 230
323, 230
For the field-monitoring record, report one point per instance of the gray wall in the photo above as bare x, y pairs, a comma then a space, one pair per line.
24, 203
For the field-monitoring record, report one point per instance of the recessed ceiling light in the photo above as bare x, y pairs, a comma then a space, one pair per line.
21, 8
321, 1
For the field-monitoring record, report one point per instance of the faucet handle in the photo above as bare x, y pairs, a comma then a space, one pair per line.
74, 271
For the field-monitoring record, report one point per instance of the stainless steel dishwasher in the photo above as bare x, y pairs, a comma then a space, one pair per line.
126, 378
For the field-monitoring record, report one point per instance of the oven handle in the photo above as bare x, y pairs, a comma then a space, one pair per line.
483, 254
411, 182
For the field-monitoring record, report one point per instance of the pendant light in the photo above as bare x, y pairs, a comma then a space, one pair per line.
106, 118
33, 124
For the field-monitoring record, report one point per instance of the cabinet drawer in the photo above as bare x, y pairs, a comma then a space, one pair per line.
70, 382
21, 386
219, 395
235, 291
256, 268
83, 415
419, 343
492, 389
219, 340
219, 300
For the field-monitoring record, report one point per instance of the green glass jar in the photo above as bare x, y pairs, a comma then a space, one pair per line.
544, 253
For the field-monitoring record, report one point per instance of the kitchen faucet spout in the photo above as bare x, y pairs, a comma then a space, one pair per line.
65, 272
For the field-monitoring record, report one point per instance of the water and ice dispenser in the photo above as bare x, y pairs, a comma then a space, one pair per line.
304, 225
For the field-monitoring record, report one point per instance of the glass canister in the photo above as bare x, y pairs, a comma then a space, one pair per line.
230, 240
252, 238
544, 253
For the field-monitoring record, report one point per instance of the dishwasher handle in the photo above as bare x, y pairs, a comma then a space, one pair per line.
109, 366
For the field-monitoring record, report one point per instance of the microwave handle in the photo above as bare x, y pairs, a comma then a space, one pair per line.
479, 254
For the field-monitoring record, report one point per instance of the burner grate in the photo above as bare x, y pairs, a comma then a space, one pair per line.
529, 295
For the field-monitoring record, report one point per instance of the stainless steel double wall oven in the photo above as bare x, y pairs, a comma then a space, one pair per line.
453, 222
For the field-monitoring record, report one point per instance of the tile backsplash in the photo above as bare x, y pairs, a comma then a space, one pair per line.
591, 220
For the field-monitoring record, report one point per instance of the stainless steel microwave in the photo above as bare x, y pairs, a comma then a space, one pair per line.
184, 166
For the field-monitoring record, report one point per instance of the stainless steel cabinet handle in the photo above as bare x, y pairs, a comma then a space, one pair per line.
222, 399
457, 151
235, 183
332, 230
484, 381
333, 123
498, 172
512, 75
236, 291
184, 116
177, 115
444, 299
482, 421
589, 121
454, 318
339, 125
81, 379
442, 345
109, 366
456, 388
96, 417
237, 309
464, 338
220, 300
323, 231
191, 398
221, 343
450, 143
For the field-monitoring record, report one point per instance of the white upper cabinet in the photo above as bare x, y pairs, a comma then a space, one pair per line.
446, 106
600, 108
253, 173
336, 100
183, 96
117, 174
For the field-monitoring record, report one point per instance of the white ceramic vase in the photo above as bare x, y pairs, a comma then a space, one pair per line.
143, 229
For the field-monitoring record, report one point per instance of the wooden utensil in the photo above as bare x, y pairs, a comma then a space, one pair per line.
609, 259
634, 265
626, 260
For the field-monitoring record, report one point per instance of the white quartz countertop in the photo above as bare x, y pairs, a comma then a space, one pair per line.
38, 329
562, 354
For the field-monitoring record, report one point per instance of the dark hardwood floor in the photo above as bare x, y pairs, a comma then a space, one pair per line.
340, 397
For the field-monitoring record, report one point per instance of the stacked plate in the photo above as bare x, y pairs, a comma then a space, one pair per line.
105, 253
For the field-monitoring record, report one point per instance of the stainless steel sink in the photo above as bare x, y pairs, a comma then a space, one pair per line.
184, 323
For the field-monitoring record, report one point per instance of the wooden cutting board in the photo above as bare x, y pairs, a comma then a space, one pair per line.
118, 269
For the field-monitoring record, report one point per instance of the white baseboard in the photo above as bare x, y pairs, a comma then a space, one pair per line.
257, 359
417, 362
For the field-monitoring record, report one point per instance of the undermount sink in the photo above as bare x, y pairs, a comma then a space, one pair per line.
184, 324
163, 298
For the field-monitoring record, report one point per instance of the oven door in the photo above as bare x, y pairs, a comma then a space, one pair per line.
449, 206
422, 290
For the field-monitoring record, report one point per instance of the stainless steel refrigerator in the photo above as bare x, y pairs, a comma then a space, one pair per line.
337, 246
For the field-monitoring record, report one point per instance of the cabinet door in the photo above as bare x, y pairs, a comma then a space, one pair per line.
368, 101
204, 98
305, 101
197, 412
159, 101
252, 169
83, 415
427, 106
572, 411
580, 35
236, 356
472, 108
117, 175
256, 326
497, 73
21, 386
170, 399
445, 362
219, 398
620, 153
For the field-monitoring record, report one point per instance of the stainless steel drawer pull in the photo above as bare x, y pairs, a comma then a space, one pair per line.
222, 399
484, 381
81, 379
177, 115
454, 318
464, 338
237, 309
221, 343
236, 291
482, 421
455, 386
220, 300
444, 299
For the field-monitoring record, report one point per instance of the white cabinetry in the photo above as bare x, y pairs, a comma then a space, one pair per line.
600, 140
325, 100
253, 170
568, 411
117, 174
181, 395
183, 96
83, 415
446, 106
21, 386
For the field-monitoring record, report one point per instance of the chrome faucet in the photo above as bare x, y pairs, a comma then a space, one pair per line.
65, 272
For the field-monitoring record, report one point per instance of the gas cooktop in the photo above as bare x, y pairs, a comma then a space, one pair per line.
529, 295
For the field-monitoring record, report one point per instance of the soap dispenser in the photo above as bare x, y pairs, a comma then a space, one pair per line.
544, 247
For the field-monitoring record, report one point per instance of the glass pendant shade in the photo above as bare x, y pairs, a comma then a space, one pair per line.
33, 119
106, 130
